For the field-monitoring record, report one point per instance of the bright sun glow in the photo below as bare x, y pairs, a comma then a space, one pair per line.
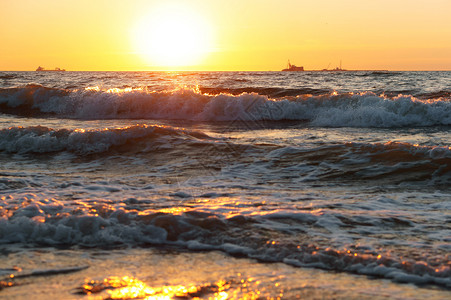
172, 36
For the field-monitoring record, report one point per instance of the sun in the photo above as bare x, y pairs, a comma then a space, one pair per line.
172, 36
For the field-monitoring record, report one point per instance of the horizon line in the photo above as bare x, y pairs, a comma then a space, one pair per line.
313, 70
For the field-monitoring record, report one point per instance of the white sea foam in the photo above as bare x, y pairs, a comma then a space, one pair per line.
330, 110
32, 219
39, 139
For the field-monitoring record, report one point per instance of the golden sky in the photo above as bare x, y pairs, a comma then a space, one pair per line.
225, 35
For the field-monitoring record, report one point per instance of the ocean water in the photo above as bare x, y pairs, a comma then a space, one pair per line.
225, 185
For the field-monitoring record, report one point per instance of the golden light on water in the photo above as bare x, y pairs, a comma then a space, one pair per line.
125, 90
131, 288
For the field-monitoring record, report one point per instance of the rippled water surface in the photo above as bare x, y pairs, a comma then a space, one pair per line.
328, 172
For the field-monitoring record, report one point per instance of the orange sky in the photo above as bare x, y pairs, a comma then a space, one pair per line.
229, 35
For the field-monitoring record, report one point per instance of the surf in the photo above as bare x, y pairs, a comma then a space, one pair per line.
334, 109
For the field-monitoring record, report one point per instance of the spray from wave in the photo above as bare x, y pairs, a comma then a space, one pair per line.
328, 110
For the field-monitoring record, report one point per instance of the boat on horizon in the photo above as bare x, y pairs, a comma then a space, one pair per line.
41, 69
293, 68
337, 69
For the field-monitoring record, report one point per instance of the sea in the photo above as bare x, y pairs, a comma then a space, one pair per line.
225, 185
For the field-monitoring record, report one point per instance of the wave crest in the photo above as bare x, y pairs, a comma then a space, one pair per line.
328, 110
39, 139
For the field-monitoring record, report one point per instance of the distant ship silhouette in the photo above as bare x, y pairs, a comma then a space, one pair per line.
337, 69
293, 68
41, 69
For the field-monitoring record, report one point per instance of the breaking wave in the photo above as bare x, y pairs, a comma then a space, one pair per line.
353, 163
328, 110
40, 139
34, 221
385, 163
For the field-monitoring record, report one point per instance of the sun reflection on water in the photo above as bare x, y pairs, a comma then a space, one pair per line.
131, 288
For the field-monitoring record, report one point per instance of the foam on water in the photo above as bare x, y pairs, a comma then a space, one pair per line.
269, 235
329, 110
353, 162
41, 139
271, 166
